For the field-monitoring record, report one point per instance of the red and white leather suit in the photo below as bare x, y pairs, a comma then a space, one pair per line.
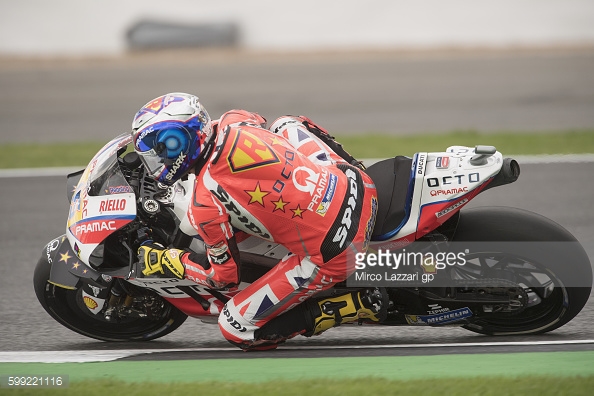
287, 187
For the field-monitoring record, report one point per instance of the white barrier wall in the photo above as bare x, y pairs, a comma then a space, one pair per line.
96, 27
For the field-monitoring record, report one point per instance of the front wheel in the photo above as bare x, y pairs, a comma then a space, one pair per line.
68, 308
557, 283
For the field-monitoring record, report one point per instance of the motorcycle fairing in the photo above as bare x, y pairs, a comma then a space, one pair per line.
192, 299
450, 182
102, 202
66, 269
441, 184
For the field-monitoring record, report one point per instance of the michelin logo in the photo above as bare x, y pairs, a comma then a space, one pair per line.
440, 318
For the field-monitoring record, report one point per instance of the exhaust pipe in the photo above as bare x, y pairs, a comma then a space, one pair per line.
510, 170
509, 173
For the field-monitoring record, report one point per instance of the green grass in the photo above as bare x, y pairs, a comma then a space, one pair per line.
40, 156
360, 146
536, 373
381, 146
486, 386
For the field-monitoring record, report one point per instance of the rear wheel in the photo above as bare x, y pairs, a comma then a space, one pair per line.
68, 308
557, 284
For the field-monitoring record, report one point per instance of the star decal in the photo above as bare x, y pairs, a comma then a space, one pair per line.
65, 257
257, 195
297, 212
279, 205
276, 141
75, 265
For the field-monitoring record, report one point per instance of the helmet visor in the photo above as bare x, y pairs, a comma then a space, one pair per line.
153, 162
167, 148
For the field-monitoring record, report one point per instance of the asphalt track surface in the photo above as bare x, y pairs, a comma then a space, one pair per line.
426, 92
34, 212
346, 93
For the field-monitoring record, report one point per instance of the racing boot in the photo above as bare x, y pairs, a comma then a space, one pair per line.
315, 316
367, 305
160, 262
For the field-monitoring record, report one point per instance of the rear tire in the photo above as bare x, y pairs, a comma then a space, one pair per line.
66, 306
558, 304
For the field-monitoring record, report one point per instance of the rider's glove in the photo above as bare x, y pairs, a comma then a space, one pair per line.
161, 262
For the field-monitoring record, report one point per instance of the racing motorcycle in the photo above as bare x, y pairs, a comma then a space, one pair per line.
519, 273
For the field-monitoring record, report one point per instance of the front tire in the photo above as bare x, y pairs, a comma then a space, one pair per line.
554, 304
66, 306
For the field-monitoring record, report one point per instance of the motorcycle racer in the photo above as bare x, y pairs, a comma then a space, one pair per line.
291, 184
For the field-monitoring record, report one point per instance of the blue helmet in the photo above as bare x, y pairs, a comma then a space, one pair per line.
171, 133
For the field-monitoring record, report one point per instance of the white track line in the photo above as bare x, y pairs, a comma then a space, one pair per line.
553, 158
38, 172
530, 159
106, 356
522, 159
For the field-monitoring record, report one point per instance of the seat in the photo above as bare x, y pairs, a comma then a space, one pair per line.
394, 184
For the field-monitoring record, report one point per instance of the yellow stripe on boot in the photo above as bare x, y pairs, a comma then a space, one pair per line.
341, 309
